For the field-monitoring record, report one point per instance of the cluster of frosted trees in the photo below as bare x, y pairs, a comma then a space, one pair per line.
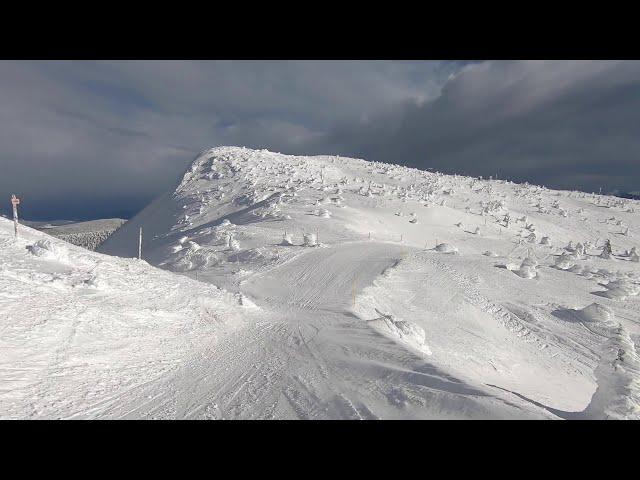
88, 240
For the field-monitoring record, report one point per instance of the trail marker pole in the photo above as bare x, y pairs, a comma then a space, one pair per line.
353, 292
140, 245
15, 201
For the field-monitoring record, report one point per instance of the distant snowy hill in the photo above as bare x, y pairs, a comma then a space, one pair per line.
89, 234
495, 300
631, 195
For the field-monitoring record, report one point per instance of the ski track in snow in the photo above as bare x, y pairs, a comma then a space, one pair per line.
314, 359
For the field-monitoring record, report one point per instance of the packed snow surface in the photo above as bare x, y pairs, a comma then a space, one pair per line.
83, 334
348, 289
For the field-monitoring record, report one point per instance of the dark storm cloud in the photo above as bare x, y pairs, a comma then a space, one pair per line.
89, 139
561, 124
92, 139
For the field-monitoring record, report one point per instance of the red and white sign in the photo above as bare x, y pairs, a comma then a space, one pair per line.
15, 202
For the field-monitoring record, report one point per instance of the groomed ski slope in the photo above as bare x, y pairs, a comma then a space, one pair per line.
310, 358
91, 336
86, 335
352, 290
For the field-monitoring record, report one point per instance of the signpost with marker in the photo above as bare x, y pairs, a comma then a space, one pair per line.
15, 201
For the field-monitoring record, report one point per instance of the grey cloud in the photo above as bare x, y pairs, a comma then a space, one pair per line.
82, 139
562, 124
112, 135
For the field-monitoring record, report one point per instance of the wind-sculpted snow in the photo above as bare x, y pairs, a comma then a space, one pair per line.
373, 290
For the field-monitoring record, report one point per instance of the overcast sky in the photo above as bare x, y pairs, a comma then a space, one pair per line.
83, 139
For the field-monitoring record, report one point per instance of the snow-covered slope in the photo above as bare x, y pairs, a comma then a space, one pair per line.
503, 287
82, 334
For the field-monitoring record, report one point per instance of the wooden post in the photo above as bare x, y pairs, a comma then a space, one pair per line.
15, 202
140, 245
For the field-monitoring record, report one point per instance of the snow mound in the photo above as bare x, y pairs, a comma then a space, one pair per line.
309, 240
525, 269
617, 395
404, 331
446, 248
564, 261
597, 313
322, 213
49, 250
621, 289
245, 302
287, 240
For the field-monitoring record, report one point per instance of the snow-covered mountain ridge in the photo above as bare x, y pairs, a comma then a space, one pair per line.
494, 282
